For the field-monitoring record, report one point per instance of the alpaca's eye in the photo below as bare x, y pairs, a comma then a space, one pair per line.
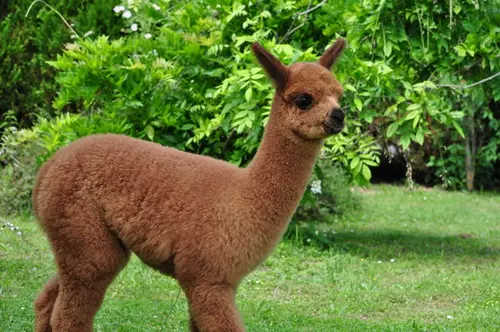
303, 101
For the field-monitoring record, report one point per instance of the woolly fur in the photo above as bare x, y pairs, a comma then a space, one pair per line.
202, 221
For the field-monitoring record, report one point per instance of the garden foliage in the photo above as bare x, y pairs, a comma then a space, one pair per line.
181, 73
27, 85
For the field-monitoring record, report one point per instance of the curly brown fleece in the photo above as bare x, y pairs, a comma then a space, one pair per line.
200, 220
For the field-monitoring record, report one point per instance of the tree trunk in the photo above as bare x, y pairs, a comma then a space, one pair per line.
470, 152
409, 170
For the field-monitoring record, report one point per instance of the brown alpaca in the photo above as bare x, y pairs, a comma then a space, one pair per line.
200, 220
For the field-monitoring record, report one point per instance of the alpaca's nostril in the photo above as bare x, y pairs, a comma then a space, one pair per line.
337, 114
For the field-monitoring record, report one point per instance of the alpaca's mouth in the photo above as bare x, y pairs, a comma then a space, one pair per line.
331, 128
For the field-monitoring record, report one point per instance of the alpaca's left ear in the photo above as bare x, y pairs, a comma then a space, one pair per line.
332, 53
273, 67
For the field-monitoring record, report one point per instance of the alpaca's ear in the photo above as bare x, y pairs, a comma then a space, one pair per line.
332, 53
273, 67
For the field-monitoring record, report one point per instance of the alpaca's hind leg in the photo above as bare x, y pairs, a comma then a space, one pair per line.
77, 304
213, 308
88, 257
44, 304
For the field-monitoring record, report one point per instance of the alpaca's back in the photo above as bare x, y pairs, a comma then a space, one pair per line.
115, 165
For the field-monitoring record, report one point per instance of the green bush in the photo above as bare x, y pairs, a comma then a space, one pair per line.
23, 151
27, 84
396, 82
329, 199
182, 74
17, 175
192, 82
329, 195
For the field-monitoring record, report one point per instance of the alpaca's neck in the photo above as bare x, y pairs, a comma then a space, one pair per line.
279, 173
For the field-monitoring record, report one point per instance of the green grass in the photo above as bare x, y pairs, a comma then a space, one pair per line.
445, 275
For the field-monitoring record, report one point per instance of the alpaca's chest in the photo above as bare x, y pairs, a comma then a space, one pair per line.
255, 241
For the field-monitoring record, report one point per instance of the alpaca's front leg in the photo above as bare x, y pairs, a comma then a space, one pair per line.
213, 308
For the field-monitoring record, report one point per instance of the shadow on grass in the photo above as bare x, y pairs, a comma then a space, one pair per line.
388, 243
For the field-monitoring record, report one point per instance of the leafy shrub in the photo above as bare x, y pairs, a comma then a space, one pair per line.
328, 199
390, 91
17, 174
182, 74
22, 151
188, 83
449, 166
26, 81
329, 196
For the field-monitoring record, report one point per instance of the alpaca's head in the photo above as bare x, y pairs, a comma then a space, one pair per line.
308, 93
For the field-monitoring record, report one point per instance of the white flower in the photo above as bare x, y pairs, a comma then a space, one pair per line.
134, 27
316, 187
155, 6
148, 36
118, 9
127, 14
392, 149
88, 33
449, 317
19, 233
379, 262
393, 260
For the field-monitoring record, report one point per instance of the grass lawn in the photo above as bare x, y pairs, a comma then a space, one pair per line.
410, 261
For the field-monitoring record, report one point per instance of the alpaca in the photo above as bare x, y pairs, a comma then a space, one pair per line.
202, 221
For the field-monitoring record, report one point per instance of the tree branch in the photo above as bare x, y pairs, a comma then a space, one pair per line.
291, 30
457, 86
55, 11
313, 8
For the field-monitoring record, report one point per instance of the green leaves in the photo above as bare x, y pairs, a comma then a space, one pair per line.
356, 151
358, 104
195, 84
419, 137
387, 48
405, 141
150, 132
366, 173
413, 107
355, 162
392, 129
458, 128
248, 94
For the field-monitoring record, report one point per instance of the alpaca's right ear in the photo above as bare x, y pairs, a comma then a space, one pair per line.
273, 67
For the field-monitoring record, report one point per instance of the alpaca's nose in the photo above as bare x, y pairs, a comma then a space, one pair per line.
337, 114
